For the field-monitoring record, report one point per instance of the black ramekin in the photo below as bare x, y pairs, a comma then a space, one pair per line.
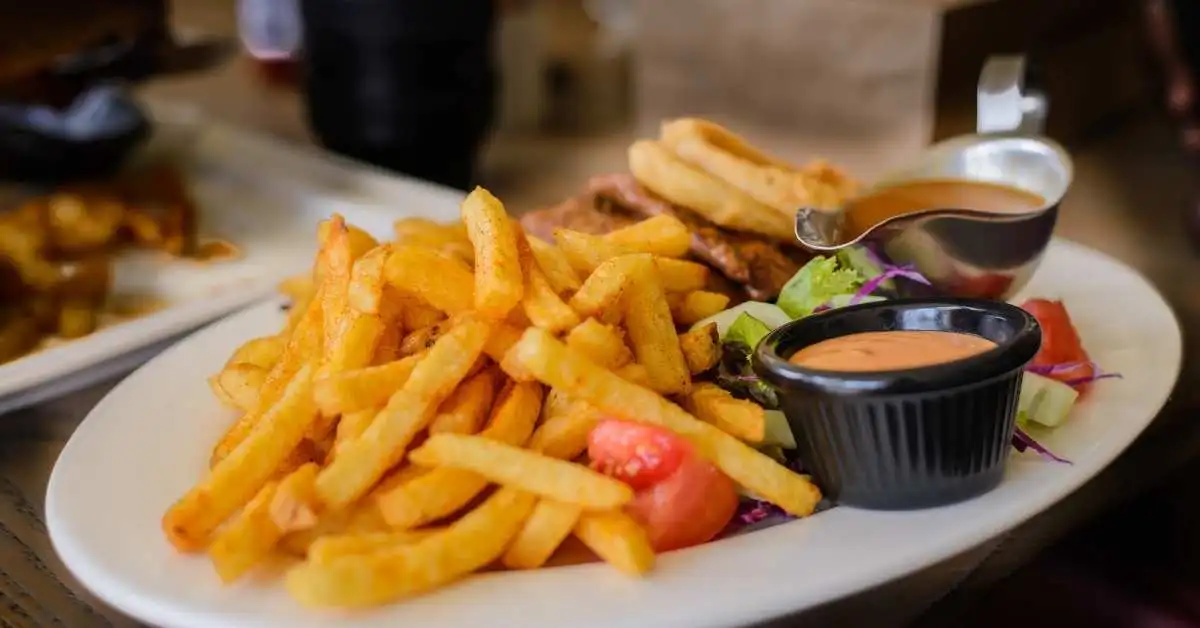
915, 438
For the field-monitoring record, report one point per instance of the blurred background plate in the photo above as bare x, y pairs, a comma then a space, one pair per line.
263, 197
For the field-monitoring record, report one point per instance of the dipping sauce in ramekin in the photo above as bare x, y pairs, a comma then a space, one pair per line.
902, 404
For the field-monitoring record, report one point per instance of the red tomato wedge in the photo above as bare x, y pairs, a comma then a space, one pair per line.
680, 498
1060, 343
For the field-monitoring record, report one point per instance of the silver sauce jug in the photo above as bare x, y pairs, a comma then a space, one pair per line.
964, 252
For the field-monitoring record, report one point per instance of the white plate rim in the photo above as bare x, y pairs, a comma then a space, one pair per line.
768, 603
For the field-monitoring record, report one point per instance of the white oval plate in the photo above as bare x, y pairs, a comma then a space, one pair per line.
149, 440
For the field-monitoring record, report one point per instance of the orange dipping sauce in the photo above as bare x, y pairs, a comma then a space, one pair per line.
889, 350
877, 206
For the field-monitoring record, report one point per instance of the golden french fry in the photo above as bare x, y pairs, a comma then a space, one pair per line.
503, 337
354, 343
701, 348
600, 294
737, 417
360, 241
294, 505
444, 282
499, 284
362, 389
615, 537
367, 280
586, 252
652, 332
696, 306
444, 491
409, 410
336, 261
421, 339
247, 539
447, 238
238, 385
635, 374
305, 341
681, 275
415, 313
665, 174
555, 365
329, 548
529, 471
565, 436
261, 352
555, 265
351, 425
663, 235
467, 545
602, 343
464, 412
540, 303
547, 526
361, 518
234, 480
297, 287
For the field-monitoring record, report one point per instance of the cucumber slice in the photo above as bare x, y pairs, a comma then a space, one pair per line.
767, 313
1045, 401
777, 431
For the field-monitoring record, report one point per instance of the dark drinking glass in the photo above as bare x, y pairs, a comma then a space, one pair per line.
408, 85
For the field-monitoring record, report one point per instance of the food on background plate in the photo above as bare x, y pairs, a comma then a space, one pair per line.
57, 250
430, 408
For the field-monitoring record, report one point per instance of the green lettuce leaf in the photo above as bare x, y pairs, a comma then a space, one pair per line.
815, 284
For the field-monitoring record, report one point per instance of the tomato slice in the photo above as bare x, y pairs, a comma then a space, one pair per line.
688, 508
680, 498
639, 455
1061, 344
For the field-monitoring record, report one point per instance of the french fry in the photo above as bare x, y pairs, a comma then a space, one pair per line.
502, 338
663, 173
565, 436
511, 466
499, 284
298, 288
351, 425
447, 238
329, 548
467, 408
469, 544
353, 345
555, 265
360, 241
421, 339
238, 385
415, 313
361, 518
615, 537
701, 348
408, 411
547, 526
261, 352
555, 365
294, 506
681, 275
444, 491
234, 480
363, 389
586, 252
652, 332
602, 343
305, 340
634, 374
337, 261
444, 282
600, 295
662, 235
365, 293
247, 539
696, 306
541, 304
737, 417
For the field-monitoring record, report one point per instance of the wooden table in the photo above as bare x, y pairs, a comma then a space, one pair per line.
1131, 186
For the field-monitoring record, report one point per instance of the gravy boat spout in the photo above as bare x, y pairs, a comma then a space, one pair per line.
963, 252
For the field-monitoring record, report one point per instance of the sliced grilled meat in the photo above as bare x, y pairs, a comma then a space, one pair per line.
761, 265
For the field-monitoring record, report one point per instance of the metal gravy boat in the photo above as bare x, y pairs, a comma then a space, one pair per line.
968, 253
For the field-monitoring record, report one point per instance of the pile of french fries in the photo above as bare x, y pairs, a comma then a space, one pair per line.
424, 413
